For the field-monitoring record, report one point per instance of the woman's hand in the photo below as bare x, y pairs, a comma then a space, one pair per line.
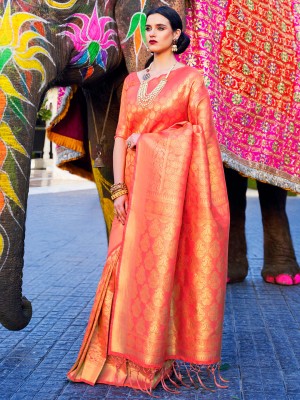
132, 140
121, 206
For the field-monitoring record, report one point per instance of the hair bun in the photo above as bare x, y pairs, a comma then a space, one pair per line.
182, 43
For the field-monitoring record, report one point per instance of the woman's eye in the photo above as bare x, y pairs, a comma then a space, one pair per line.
161, 28
148, 29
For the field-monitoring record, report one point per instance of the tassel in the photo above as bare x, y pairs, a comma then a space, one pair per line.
149, 376
198, 371
178, 375
145, 376
173, 382
189, 375
166, 388
212, 370
220, 376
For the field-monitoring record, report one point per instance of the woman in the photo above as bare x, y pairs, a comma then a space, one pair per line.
161, 295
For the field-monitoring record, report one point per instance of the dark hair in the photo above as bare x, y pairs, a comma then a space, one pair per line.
176, 23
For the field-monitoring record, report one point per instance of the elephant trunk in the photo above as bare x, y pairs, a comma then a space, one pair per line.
16, 319
15, 310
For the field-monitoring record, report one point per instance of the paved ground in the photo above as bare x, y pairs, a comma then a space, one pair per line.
65, 252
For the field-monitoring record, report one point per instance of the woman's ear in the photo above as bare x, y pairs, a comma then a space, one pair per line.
131, 18
177, 34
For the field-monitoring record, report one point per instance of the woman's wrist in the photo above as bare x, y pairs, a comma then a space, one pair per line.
119, 194
115, 186
118, 189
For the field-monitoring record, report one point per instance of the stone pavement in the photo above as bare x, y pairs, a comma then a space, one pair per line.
64, 254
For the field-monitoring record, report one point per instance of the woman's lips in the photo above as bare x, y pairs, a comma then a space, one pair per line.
152, 41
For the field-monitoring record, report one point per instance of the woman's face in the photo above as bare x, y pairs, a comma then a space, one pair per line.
159, 34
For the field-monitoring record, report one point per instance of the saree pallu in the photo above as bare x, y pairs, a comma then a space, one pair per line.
162, 292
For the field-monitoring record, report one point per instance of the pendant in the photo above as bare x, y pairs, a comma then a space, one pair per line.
146, 76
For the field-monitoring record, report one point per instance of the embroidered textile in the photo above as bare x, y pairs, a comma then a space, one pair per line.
249, 52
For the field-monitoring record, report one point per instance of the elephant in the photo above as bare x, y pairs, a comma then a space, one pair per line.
92, 45
48, 43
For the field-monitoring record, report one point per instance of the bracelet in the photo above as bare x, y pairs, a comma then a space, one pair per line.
118, 193
117, 186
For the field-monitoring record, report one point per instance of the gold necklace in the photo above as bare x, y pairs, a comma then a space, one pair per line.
145, 99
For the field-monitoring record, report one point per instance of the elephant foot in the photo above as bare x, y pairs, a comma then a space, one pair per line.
236, 280
237, 272
287, 274
283, 279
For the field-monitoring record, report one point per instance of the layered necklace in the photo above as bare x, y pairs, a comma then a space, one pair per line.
145, 99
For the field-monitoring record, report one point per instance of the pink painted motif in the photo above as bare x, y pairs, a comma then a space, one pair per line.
91, 40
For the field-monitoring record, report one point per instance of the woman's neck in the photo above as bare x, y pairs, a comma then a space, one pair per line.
162, 62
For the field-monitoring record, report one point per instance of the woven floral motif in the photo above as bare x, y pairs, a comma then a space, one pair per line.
249, 52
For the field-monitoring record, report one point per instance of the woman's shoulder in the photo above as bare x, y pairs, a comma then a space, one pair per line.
192, 73
131, 76
195, 81
127, 81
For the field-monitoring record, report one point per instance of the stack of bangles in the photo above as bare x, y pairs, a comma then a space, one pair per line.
117, 190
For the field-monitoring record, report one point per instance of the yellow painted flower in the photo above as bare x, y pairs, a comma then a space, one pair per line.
15, 42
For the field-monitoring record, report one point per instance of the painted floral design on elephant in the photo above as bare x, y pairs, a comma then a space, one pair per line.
60, 5
17, 52
137, 29
91, 41
15, 42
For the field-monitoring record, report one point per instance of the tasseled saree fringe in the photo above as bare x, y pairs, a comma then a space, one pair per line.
161, 295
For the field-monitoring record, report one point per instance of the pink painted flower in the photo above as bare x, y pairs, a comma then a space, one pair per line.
91, 41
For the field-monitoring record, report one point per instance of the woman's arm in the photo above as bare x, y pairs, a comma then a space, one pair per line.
119, 156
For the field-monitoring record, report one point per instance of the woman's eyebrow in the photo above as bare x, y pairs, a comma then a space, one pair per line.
155, 25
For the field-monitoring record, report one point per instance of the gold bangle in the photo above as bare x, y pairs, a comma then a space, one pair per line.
119, 193
118, 190
117, 186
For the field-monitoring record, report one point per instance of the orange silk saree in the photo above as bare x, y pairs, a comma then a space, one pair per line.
162, 292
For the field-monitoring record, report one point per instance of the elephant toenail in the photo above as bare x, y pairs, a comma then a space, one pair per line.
284, 279
270, 279
297, 279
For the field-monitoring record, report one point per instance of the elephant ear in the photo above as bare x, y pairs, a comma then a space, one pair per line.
131, 18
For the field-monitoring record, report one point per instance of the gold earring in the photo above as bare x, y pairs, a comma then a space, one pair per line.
174, 46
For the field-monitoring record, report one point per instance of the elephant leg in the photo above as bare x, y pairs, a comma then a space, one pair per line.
280, 264
237, 256
15, 310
